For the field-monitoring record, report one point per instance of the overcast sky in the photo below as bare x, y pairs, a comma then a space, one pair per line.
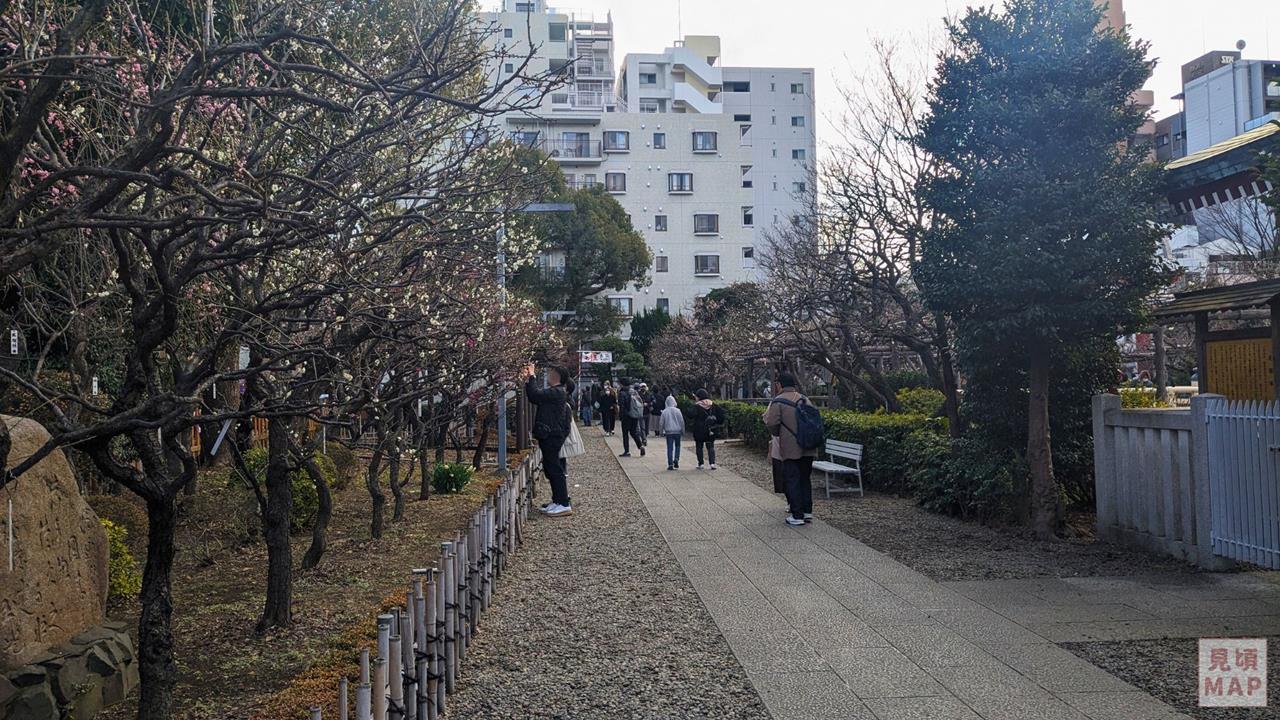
834, 36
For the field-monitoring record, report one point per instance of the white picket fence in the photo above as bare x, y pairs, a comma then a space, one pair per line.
421, 645
1244, 450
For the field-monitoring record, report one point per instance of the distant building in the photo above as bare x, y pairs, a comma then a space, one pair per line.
704, 158
1229, 100
1171, 138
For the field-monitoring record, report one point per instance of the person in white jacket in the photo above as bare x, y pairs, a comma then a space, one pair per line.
671, 424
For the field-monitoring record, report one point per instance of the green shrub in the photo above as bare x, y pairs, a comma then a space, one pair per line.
962, 477
883, 437
306, 502
346, 464
124, 579
921, 401
449, 478
1140, 397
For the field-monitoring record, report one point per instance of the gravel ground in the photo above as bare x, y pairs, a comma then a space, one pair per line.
1161, 668
595, 619
946, 548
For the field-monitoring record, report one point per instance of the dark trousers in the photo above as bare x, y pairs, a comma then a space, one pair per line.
606, 419
799, 487
631, 431
556, 468
710, 444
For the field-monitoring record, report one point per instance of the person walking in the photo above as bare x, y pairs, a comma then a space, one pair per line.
608, 408
782, 421
586, 404
631, 410
551, 421
707, 424
646, 399
657, 403
671, 423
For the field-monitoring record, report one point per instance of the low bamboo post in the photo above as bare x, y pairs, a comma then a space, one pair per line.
395, 681
408, 665
364, 696
461, 563
316, 714
343, 699
425, 615
379, 691
364, 666
438, 661
449, 597
384, 641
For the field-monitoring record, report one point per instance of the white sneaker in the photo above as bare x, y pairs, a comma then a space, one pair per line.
808, 516
713, 466
790, 521
554, 510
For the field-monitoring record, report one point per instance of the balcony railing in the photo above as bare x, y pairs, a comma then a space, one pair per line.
572, 149
596, 69
583, 184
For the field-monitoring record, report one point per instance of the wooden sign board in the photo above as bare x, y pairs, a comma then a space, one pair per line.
1241, 369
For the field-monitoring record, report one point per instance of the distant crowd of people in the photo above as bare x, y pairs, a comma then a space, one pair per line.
643, 410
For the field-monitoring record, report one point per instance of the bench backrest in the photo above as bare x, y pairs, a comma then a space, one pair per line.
849, 450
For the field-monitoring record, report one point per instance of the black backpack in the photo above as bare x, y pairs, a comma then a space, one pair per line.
810, 430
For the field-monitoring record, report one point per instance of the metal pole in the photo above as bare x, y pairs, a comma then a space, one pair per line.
502, 388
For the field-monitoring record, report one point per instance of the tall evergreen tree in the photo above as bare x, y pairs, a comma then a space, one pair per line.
1046, 232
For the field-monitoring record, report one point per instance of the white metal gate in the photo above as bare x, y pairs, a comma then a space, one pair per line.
1244, 480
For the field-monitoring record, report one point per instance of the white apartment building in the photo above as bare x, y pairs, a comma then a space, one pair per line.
1238, 96
704, 159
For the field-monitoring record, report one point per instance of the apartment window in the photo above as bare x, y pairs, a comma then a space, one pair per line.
706, 224
706, 264
659, 141
617, 140
556, 32
775, 152
737, 86
748, 216
798, 187
664, 304
527, 138
748, 258
797, 121
621, 305
741, 118
648, 78
509, 68
772, 87
1162, 140
615, 182
680, 182
661, 263
743, 130
797, 88
704, 141
524, 7
797, 154
746, 183
659, 223
506, 32
648, 106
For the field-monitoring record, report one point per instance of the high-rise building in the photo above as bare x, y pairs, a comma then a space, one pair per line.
1236, 96
705, 159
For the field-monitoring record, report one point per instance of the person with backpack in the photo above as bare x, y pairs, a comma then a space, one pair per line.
671, 423
797, 425
608, 408
551, 418
631, 407
707, 424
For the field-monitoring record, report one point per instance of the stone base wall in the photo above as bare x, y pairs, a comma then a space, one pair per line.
77, 679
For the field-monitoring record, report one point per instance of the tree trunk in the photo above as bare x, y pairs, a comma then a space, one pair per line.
397, 491
375, 494
483, 440
1044, 490
275, 529
325, 511
950, 386
156, 669
424, 492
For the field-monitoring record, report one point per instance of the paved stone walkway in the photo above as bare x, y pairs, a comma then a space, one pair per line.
827, 627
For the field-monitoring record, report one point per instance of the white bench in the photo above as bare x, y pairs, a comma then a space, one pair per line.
845, 451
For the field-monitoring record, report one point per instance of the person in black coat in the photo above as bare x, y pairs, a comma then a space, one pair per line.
707, 424
608, 408
551, 418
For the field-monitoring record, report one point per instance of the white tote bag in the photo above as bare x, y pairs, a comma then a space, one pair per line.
573, 445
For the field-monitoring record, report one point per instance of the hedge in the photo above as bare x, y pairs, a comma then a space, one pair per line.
883, 437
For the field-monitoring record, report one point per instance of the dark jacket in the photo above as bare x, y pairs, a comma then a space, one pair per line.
608, 401
551, 410
706, 423
624, 403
